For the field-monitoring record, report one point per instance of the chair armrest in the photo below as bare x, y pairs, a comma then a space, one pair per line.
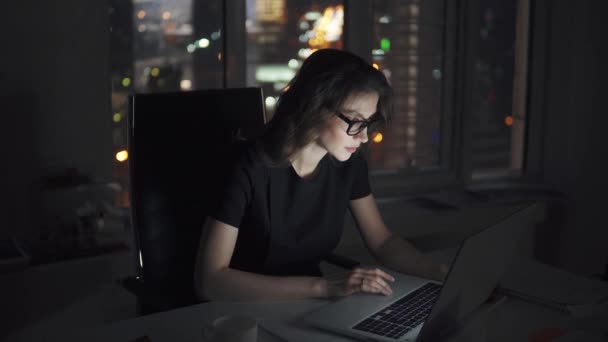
342, 261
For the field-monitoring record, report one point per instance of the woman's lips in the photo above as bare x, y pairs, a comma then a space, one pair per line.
351, 149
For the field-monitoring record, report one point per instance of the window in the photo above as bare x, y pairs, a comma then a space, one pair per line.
498, 89
458, 69
408, 47
281, 34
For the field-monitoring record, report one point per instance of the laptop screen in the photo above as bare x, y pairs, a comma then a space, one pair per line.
480, 263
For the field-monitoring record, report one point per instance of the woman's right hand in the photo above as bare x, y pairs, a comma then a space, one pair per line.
370, 280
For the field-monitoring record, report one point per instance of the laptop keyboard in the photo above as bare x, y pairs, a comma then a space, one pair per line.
403, 315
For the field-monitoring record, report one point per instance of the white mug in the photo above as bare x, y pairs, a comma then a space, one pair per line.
231, 329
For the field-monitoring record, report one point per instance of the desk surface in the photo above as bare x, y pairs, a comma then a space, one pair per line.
513, 320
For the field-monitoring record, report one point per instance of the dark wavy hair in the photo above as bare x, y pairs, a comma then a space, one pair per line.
325, 81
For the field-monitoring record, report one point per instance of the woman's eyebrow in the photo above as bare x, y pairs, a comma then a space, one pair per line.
357, 114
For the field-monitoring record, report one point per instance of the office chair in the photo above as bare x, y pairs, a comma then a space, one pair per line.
179, 146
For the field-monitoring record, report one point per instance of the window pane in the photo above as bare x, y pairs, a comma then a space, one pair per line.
408, 47
497, 131
282, 33
177, 45
161, 45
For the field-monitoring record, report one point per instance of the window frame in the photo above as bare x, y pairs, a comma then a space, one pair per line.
529, 61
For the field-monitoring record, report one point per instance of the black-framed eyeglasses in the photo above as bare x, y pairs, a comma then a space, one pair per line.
357, 126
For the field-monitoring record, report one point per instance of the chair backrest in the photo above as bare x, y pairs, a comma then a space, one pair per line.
179, 145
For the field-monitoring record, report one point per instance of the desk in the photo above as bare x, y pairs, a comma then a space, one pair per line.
513, 320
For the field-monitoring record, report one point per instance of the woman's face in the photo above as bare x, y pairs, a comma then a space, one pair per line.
334, 138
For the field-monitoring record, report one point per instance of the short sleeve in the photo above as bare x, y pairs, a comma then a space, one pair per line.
236, 192
360, 187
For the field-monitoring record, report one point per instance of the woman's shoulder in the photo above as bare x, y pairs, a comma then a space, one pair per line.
247, 156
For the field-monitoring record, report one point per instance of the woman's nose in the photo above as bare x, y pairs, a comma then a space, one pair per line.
363, 136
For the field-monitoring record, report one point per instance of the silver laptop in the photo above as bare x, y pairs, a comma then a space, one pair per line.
424, 310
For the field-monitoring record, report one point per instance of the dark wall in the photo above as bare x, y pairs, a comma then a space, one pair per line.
576, 129
55, 97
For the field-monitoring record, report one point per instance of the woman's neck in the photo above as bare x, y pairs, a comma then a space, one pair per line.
306, 161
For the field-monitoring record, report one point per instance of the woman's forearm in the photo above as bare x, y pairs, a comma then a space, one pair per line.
400, 255
235, 285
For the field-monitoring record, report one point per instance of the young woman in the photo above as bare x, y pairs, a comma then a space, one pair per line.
283, 207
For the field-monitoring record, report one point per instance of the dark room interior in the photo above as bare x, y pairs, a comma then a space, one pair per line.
497, 104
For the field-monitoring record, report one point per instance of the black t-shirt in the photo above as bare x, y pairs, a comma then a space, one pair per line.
287, 224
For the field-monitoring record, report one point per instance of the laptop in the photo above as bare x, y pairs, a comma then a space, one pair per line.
425, 310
